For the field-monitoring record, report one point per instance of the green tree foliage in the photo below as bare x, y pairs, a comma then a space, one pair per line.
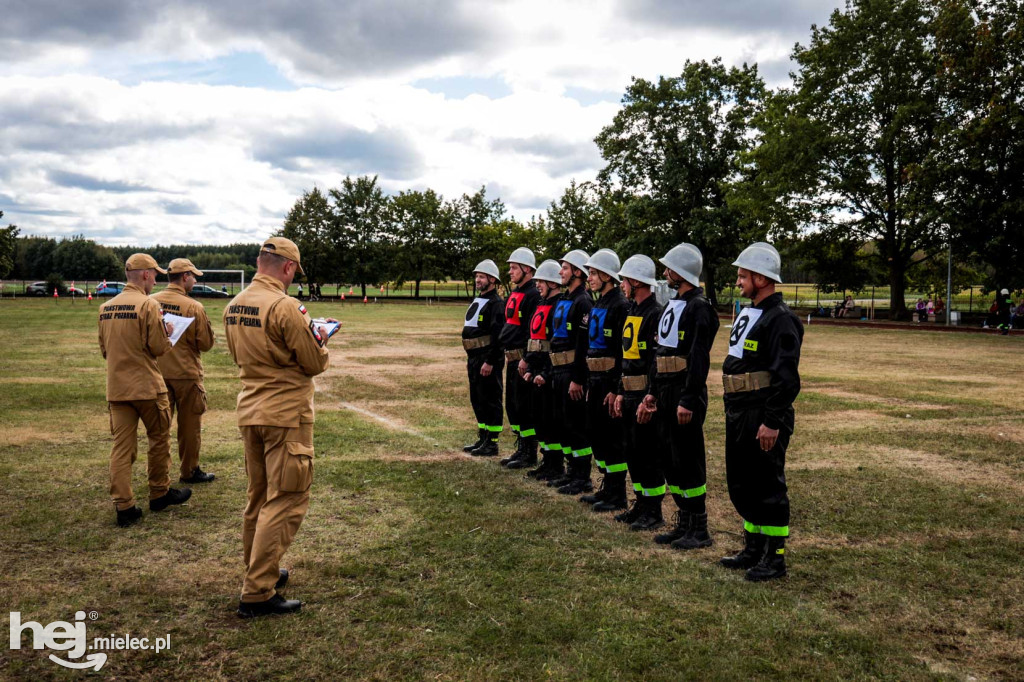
80, 259
477, 228
672, 156
980, 46
310, 224
848, 151
8, 240
574, 219
421, 224
359, 231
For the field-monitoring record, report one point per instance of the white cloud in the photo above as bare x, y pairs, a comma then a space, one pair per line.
173, 161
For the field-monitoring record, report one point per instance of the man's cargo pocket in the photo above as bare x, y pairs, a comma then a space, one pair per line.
199, 402
297, 471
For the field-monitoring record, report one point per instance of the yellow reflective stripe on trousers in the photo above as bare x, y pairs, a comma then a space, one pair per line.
654, 492
528, 432
773, 531
689, 492
615, 468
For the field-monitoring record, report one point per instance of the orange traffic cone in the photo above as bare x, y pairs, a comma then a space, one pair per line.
343, 297
365, 300
55, 293
382, 288
90, 297
350, 292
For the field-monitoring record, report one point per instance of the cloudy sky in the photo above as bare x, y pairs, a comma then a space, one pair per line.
143, 121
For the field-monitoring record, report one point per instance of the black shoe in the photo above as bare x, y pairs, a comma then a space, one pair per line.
198, 476
631, 514
275, 606
529, 457
677, 531
488, 449
564, 479
697, 536
576, 486
480, 440
773, 562
282, 579
650, 519
753, 549
596, 496
547, 474
610, 504
172, 496
517, 455
128, 517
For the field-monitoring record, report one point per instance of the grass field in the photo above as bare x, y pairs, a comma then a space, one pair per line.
417, 562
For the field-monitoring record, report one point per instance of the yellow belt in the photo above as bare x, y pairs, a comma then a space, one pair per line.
741, 383
514, 355
563, 358
600, 364
671, 363
635, 383
478, 342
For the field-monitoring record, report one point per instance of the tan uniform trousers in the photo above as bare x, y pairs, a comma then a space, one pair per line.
124, 425
279, 464
188, 398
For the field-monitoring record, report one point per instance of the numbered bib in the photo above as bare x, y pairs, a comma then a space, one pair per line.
741, 327
669, 333
561, 320
475, 313
598, 340
512, 313
539, 323
631, 338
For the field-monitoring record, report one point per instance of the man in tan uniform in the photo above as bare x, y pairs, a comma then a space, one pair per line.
278, 350
183, 369
132, 335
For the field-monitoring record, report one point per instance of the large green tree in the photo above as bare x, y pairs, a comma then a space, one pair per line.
980, 47
420, 222
359, 230
672, 156
849, 150
8, 240
309, 225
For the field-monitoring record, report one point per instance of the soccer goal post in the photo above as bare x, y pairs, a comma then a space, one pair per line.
240, 273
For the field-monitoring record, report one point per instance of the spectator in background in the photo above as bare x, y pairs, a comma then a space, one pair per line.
846, 306
299, 295
922, 310
940, 307
1017, 316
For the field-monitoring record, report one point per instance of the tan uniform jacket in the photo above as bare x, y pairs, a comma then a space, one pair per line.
278, 351
183, 362
132, 336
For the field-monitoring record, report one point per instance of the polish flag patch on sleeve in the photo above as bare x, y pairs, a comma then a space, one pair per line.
302, 309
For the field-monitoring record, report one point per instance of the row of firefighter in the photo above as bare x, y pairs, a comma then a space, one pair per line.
596, 363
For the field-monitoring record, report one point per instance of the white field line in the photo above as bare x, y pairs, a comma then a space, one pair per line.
394, 426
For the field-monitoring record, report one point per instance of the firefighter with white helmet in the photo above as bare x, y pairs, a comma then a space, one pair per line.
1003, 306
761, 379
537, 376
604, 364
638, 342
484, 357
677, 402
568, 357
519, 308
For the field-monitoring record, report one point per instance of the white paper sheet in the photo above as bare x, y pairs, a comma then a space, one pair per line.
179, 323
330, 327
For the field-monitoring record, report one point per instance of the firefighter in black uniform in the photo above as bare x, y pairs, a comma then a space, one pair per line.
604, 362
640, 442
536, 372
568, 357
485, 362
678, 397
519, 307
761, 380
1003, 305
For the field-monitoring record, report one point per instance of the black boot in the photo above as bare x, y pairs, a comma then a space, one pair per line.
697, 536
773, 562
748, 557
127, 517
198, 476
650, 518
596, 496
172, 496
529, 457
505, 461
614, 493
481, 438
275, 606
488, 449
547, 465
558, 482
677, 531
576, 486
631, 514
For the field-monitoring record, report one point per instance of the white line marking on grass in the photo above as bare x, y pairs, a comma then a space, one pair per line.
387, 422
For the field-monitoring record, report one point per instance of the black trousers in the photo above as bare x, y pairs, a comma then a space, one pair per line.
485, 394
513, 401
604, 430
545, 420
757, 479
641, 448
682, 446
572, 421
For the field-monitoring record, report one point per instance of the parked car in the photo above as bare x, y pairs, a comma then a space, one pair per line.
111, 289
76, 291
203, 291
37, 289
